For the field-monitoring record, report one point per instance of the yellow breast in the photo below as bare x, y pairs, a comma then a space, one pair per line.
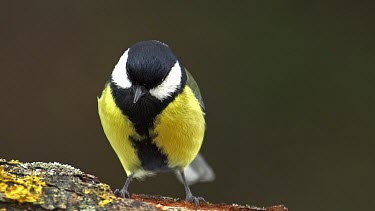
117, 128
178, 131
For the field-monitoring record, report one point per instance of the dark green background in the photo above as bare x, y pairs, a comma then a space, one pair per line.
288, 87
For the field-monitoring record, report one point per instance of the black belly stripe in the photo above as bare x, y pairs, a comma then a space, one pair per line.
152, 159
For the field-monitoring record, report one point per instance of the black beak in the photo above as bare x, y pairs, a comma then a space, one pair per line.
139, 92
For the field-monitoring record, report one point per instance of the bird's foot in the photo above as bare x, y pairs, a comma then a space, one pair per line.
195, 200
122, 193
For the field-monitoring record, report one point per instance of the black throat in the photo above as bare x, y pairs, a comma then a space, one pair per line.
143, 113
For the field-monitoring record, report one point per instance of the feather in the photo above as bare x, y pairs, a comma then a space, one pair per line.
197, 171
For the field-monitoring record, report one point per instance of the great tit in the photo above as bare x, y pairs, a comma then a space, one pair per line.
152, 113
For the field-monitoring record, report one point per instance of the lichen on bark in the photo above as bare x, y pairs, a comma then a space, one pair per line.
56, 186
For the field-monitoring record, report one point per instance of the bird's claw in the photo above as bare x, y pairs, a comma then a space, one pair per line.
195, 200
122, 193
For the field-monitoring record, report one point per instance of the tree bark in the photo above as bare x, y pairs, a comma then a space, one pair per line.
55, 186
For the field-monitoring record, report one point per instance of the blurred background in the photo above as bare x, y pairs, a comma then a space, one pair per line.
288, 87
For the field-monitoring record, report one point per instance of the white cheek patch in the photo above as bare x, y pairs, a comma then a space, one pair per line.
170, 84
119, 74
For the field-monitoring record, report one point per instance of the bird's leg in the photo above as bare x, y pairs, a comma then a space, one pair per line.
124, 191
189, 195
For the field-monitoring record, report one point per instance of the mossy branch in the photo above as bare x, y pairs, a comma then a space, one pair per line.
55, 186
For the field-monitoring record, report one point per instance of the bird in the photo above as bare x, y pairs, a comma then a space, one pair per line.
153, 115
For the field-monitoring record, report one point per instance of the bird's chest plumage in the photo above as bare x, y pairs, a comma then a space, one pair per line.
153, 136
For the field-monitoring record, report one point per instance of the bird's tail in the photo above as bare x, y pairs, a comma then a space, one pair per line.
197, 171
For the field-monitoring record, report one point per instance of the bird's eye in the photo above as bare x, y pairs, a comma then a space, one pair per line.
119, 74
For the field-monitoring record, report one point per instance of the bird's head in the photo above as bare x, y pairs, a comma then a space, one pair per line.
149, 69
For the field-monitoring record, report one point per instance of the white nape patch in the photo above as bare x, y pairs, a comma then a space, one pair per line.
170, 84
119, 74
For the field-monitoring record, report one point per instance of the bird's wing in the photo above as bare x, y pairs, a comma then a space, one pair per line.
194, 87
198, 170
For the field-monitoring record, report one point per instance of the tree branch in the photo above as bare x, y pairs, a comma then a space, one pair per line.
55, 186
